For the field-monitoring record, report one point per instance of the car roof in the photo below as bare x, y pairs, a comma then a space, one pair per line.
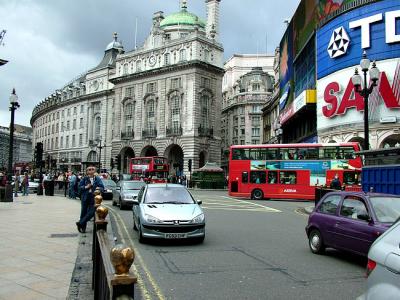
362, 194
164, 185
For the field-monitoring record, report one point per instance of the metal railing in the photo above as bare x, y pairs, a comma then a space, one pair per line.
111, 278
127, 134
206, 132
149, 133
173, 131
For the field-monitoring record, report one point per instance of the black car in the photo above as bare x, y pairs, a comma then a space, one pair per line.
109, 189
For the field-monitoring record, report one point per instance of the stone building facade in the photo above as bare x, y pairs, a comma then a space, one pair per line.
248, 85
163, 99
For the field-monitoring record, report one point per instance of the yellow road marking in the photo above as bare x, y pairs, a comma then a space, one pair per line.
255, 204
150, 278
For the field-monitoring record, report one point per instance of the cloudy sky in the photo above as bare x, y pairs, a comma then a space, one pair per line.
50, 42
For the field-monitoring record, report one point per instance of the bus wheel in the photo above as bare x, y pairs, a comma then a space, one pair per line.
257, 194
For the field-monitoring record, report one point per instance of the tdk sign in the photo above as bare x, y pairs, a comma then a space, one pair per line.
371, 27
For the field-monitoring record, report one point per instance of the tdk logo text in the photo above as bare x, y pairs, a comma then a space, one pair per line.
340, 40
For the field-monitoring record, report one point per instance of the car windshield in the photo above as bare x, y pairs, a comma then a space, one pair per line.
168, 195
133, 185
387, 209
109, 183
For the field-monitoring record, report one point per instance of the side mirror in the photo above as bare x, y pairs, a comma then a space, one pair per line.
364, 217
199, 202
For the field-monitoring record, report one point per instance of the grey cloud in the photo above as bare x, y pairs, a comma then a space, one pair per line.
49, 42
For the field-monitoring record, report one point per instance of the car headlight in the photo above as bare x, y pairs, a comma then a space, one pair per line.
151, 219
199, 219
108, 191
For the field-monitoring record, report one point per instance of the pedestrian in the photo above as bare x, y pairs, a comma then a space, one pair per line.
16, 184
335, 184
72, 182
88, 186
25, 185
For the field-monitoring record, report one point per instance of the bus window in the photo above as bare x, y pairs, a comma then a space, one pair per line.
236, 154
330, 152
351, 178
257, 177
245, 177
308, 153
272, 177
288, 177
271, 153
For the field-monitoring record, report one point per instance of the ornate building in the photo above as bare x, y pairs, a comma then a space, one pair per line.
161, 99
247, 87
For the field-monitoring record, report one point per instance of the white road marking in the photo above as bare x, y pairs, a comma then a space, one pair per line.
251, 203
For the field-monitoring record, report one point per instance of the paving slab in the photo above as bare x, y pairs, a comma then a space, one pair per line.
39, 244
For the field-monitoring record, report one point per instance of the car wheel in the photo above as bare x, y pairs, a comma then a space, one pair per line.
316, 242
114, 203
134, 225
257, 194
121, 206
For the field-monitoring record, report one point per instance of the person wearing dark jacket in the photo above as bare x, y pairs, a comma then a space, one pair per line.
335, 184
88, 186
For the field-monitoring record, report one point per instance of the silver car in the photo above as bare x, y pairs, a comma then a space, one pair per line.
127, 192
383, 269
168, 211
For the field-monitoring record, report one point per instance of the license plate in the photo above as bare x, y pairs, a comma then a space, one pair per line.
175, 235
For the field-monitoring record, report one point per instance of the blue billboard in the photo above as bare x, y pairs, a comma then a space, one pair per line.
374, 28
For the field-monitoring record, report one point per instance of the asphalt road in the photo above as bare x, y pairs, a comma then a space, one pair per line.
252, 250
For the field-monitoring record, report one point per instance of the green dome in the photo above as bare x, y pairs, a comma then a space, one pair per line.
182, 18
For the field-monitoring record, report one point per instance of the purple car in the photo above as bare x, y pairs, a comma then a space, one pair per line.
351, 221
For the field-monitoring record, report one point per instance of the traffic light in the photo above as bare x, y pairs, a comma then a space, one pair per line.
190, 165
118, 159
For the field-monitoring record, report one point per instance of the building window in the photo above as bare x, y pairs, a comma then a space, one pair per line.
176, 83
241, 142
62, 126
68, 112
129, 113
205, 82
58, 115
57, 127
81, 109
97, 127
125, 69
73, 141
67, 141
74, 124
151, 87
56, 145
242, 131
68, 125
175, 113
206, 55
62, 113
52, 128
167, 59
150, 110
204, 111
129, 92
256, 87
81, 123
255, 132
242, 120
255, 121
256, 108
75, 110
80, 139
182, 55
255, 142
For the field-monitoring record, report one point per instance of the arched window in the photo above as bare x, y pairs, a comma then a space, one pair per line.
150, 111
97, 127
125, 69
129, 113
167, 59
205, 111
175, 117
138, 65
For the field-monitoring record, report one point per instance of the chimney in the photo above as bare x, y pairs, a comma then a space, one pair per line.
212, 27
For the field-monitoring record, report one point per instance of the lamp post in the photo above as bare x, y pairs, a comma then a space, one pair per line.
13, 106
362, 88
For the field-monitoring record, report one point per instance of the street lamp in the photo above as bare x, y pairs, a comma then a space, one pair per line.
13, 106
364, 90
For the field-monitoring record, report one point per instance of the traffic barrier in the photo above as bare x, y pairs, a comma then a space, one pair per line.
111, 277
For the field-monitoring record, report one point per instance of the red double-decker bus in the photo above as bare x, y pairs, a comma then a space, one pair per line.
153, 169
291, 171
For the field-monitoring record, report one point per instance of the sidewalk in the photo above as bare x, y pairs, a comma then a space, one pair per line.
38, 248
